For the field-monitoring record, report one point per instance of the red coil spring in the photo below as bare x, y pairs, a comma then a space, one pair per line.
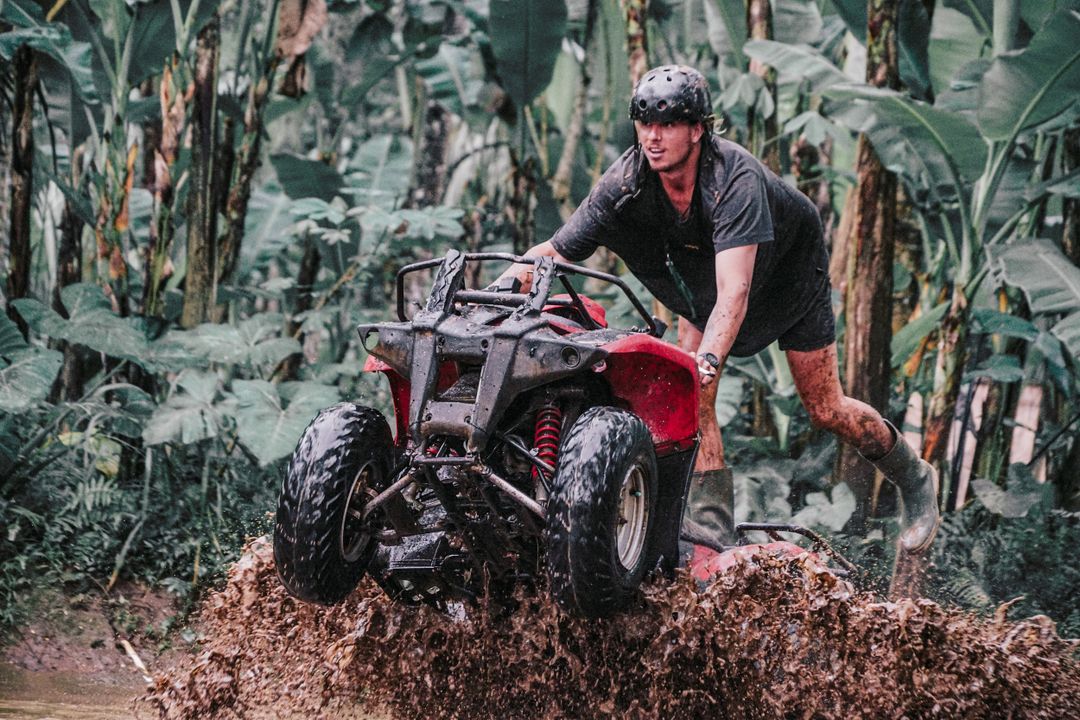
546, 438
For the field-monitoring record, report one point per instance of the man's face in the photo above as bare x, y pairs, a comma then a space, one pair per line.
668, 145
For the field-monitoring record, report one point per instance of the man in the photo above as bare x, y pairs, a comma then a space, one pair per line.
741, 257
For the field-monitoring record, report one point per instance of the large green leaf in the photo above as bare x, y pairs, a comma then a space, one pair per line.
913, 30
979, 12
930, 146
1050, 282
267, 426
90, 322
256, 341
10, 337
561, 94
1022, 494
189, 415
154, 35
1068, 332
53, 39
302, 177
988, 321
796, 21
908, 338
526, 36
26, 376
1024, 89
999, 368
797, 62
455, 77
726, 23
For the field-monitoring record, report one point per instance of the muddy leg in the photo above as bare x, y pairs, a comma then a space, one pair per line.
818, 382
817, 378
708, 520
711, 452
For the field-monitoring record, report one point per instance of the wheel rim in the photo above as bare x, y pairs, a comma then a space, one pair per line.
352, 540
633, 517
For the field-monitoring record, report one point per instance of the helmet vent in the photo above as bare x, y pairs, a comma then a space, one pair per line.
661, 105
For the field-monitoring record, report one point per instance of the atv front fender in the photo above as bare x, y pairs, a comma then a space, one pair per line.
658, 382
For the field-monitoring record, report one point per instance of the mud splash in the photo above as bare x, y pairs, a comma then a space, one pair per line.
772, 638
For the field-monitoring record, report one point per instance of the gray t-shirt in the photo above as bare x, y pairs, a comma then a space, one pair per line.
737, 201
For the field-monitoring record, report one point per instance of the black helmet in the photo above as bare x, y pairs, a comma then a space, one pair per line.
671, 93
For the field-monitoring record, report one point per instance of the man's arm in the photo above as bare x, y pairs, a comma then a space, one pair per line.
734, 271
524, 273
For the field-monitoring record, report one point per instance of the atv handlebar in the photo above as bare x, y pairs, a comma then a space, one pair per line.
655, 327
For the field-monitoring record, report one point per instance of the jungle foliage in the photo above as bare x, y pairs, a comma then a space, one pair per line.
200, 200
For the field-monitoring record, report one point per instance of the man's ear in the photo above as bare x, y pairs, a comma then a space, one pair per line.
697, 132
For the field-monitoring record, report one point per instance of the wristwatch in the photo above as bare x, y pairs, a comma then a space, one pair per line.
711, 360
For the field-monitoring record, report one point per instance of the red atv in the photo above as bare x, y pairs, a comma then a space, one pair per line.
528, 434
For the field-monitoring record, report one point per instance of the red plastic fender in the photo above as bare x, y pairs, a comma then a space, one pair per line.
596, 310
400, 391
707, 563
658, 383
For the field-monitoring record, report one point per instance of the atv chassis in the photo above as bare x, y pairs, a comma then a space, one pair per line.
528, 434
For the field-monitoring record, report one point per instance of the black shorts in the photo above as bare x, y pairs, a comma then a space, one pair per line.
815, 328
811, 325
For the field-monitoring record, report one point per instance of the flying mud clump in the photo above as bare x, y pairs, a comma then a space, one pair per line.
773, 637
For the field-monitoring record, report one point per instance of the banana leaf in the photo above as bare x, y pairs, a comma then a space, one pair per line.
526, 36
1022, 90
929, 146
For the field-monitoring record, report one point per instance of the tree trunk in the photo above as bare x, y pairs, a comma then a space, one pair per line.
761, 141
807, 166
69, 272
429, 168
245, 163
952, 356
163, 142
305, 290
637, 38
22, 179
520, 209
199, 287
763, 131
868, 298
1071, 236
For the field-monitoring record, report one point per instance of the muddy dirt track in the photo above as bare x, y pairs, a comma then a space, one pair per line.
772, 638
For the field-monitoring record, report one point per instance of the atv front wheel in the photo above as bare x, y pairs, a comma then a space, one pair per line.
320, 547
601, 512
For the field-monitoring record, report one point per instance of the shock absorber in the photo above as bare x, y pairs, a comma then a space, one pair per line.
546, 437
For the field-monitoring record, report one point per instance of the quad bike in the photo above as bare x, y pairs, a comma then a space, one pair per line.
528, 435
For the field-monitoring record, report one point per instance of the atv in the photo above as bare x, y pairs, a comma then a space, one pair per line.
528, 435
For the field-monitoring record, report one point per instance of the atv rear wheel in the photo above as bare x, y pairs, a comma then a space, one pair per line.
601, 513
320, 547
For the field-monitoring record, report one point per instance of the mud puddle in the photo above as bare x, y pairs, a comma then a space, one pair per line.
26, 695
771, 638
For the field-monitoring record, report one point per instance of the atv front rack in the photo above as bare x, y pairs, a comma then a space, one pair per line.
537, 298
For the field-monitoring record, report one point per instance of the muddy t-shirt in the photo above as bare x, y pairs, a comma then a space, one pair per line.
737, 201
